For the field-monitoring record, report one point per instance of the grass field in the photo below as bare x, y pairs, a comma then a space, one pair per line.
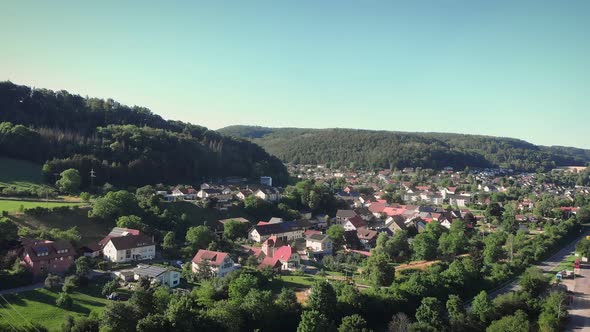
13, 170
38, 306
13, 206
90, 230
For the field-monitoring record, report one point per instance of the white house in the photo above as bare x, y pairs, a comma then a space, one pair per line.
220, 263
284, 231
161, 275
268, 194
208, 193
319, 243
129, 248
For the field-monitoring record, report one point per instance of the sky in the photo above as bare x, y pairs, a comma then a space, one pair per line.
504, 68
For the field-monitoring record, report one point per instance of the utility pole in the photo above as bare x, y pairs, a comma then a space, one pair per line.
92, 176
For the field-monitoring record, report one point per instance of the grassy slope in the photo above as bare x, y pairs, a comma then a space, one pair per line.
90, 230
39, 306
13, 170
13, 205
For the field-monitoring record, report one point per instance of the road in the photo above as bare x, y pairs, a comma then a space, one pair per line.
579, 312
545, 266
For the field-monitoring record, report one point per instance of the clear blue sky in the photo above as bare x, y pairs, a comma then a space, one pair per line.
506, 68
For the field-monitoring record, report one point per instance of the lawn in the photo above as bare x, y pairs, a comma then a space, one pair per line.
19, 170
38, 306
91, 230
12, 205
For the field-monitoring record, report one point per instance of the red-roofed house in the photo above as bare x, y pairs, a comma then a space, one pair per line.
353, 223
277, 257
220, 263
44, 257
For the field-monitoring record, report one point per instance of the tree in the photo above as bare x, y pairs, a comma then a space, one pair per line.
82, 324
554, 312
154, 323
533, 281
430, 312
132, 222
181, 313
336, 234
314, 321
493, 248
161, 298
583, 215
143, 302
288, 309
110, 287
399, 323
8, 231
240, 286
119, 316
396, 247
518, 322
52, 281
69, 181
113, 205
82, 266
354, 323
70, 283
455, 241
234, 229
379, 271
425, 246
509, 223
323, 299
169, 245
64, 301
199, 237
482, 307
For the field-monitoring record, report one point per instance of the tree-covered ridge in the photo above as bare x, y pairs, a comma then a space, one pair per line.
387, 149
124, 145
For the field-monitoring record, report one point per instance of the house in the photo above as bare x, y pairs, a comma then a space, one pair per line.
43, 257
157, 274
285, 231
208, 193
343, 215
368, 237
268, 194
274, 255
129, 247
319, 243
242, 194
459, 200
354, 223
91, 250
220, 263
396, 223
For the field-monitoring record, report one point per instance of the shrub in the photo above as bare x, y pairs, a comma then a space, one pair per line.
52, 281
64, 301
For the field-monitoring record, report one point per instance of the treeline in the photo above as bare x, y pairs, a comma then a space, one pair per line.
124, 145
386, 149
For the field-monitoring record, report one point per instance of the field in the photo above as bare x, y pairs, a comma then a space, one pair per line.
38, 306
13, 205
89, 229
13, 170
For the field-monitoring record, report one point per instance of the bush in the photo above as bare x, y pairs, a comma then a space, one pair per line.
52, 281
64, 301
70, 283
110, 287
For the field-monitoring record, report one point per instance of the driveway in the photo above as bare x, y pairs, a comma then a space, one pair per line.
21, 289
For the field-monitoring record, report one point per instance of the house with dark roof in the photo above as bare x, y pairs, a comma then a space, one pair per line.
129, 247
43, 257
367, 237
157, 274
220, 263
285, 231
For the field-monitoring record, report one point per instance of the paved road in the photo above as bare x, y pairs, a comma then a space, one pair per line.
545, 266
579, 312
21, 289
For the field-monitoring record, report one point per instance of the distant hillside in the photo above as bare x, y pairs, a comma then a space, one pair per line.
124, 145
12, 170
385, 149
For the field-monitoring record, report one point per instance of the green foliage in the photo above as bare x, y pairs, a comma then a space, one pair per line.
70, 283
382, 149
395, 247
8, 231
241, 286
199, 237
554, 312
119, 316
430, 312
52, 281
234, 229
481, 307
110, 287
133, 222
514, 323
379, 270
336, 234
533, 281
314, 321
353, 323
83, 265
323, 299
69, 181
114, 205
64, 301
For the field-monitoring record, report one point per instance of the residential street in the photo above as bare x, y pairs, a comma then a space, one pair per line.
545, 266
579, 311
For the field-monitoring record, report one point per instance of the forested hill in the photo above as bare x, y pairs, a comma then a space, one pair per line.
125, 145
385, 149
